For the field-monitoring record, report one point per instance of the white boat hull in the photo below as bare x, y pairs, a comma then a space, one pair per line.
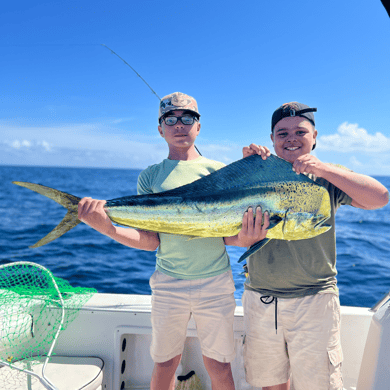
117, 328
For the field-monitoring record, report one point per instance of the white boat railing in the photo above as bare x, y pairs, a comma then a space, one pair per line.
380, 303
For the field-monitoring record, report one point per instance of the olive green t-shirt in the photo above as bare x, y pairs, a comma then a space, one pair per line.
292, 269
184, 257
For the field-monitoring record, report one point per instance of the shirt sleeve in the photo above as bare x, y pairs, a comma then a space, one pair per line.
340, 196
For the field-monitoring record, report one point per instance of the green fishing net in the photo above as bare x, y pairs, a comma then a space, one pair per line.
35, 307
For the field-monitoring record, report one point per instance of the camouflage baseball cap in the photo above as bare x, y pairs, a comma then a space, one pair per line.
177, 101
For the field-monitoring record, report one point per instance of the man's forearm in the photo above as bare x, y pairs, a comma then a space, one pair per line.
365, 191
139, 239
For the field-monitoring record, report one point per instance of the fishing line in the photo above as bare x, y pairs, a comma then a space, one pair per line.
158, 97
113, 52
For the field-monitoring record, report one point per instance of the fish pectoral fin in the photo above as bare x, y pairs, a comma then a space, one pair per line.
254, 248
322, 229
273, 221
321, 224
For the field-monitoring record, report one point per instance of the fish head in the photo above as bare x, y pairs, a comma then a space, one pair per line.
303, 213
299, 226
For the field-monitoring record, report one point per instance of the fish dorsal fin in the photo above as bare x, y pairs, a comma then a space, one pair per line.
242, 173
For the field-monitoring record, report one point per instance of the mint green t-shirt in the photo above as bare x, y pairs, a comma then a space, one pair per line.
184, 257
293, 269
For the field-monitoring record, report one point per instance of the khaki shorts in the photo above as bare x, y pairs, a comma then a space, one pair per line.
307, 342
210, 301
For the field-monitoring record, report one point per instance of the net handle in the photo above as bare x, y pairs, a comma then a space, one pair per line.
45, 381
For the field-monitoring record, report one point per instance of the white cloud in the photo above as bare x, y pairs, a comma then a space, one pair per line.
21, 144
45, 145
121, 120
27, 144
15, 144
352, 138
101, 136
90, 144
100, 145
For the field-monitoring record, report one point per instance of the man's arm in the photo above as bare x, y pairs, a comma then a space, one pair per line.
366, 192
91, 211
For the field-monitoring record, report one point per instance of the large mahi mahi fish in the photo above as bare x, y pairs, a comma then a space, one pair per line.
213, 206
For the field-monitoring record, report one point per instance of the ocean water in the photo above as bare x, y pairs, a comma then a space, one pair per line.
87, 258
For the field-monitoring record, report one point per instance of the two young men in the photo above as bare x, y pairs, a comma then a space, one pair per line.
192, 276
293, 283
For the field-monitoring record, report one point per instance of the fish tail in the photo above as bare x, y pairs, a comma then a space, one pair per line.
68, 201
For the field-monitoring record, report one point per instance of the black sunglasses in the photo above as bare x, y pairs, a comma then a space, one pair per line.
185, 119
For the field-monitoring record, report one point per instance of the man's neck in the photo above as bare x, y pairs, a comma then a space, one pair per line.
183, 154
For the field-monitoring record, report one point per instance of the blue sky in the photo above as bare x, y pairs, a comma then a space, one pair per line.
65, 100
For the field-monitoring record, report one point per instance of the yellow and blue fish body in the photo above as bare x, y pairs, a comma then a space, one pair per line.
213, 206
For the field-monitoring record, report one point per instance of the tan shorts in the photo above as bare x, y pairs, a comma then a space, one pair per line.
210, 301
307, 342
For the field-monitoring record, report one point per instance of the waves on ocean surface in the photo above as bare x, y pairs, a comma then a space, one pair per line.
87, 258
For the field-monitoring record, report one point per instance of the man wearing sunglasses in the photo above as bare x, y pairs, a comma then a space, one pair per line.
192, 277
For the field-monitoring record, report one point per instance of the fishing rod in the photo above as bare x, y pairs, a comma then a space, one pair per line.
158, 97
113, 52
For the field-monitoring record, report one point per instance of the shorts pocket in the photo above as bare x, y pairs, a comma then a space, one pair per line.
335, 362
